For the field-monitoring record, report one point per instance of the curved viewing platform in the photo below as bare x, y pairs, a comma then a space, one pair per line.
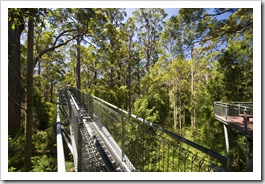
238, 115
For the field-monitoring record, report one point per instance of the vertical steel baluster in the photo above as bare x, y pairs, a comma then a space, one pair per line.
123, 119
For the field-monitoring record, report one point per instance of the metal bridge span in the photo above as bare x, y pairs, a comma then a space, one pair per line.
103, 137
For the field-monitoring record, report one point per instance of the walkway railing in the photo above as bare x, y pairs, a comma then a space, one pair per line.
148, 146
233, 109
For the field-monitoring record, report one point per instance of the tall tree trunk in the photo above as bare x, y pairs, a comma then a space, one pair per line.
51, 92
180, 120
193, 115
138, 79
192, 99
129, 89
129, 77
147, 60
29, 85
39, 71
111, 64
78, 83
14, 80
95, 74
175, 111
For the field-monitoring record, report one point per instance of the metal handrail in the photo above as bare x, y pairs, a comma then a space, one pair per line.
171, 134
60, 149
232, 109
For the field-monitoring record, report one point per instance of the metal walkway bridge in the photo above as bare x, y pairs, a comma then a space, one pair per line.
103, 137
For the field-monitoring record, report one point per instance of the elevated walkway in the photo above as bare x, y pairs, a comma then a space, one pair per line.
103, 137
237, 115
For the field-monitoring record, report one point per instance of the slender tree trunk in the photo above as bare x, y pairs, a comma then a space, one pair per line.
29, 85
78, 83
14, 80
192, 99
175, 111
95, 74
193, 115
129, 77
129, 89
138, 79
39, 72
184, 115
111, 65
51, 92
147, 60
180, 120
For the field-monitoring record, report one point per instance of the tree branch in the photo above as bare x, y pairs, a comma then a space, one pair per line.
54, 45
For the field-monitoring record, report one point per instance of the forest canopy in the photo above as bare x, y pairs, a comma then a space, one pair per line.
166, 69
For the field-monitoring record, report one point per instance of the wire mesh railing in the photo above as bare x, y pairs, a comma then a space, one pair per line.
149, 147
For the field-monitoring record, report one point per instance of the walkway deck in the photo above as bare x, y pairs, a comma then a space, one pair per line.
237, 122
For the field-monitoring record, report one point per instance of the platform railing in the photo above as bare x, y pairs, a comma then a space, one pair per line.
232, 109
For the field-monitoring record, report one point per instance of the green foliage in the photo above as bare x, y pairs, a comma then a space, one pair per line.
169, 73
43, 163
15, 154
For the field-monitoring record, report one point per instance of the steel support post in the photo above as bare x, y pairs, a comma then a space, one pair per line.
228, 164
79, 150
123, 119
91, 107
88, 105
226, 111
247, 140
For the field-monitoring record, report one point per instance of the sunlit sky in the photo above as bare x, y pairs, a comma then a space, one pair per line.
169, 11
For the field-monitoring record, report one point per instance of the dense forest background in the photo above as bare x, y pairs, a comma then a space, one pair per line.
166, 70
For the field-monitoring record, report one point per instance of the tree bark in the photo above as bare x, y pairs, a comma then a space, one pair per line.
51, 92
39, 72
111, 64
14, 80
78, 83
193, 115
129, 77
29, 86
175, 114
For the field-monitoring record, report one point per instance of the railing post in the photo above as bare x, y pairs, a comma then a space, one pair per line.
123, 119
246, 120
88, 104
79, 146
226, 111
91, 106
100, 114
247, 140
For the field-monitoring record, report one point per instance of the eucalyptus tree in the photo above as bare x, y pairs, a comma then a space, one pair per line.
81, 20
186, 23
108, 38
15, 28
176, 77
132, 59
53, 72
36, 18
149, 28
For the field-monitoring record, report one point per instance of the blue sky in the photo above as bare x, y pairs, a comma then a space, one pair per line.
173, 11
169, 11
